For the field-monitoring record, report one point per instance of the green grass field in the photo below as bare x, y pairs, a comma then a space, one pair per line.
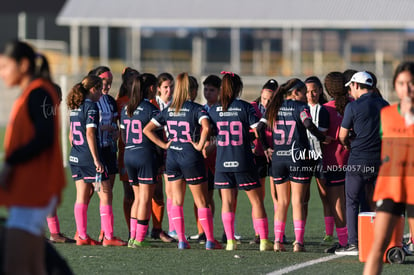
167, 259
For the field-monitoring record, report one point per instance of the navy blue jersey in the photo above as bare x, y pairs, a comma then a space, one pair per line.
289, 132
183, 126
234, 152
363, 117
133, 127
87, 115
107, 113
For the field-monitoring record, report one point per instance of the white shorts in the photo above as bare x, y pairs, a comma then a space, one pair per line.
30, 219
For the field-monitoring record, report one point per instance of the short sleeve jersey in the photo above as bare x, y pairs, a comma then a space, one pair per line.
107, 113
87, 115
183, 126
289, 132
234, 152
363, 117
133, 126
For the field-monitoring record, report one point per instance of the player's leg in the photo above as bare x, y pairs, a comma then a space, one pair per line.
146, 193
299, 192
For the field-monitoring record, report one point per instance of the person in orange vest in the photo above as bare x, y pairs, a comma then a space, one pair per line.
393, 192
32, 176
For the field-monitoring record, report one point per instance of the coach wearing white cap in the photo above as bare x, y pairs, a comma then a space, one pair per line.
362, 118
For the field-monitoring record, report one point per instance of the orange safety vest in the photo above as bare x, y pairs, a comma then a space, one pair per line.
34, 182
396, 175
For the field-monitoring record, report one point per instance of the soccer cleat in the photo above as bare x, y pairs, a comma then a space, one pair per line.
114, 242
266, 245
137, 244
231, 245
349, 250
327, 240
298, 247
130, 243
76, 237
87, 241
210, 245
60, 238
256, 240
279, 247
183, 245
285, 240
173, 234
332, 248
101, 236
236, 237
201, 238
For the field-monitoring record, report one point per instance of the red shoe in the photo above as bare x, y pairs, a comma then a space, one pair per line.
87, 241
115, 241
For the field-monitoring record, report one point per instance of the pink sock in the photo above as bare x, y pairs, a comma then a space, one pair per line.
141, 232
106, 225
329, 225
133, 230
299, 230
81, 219
206, 219
53, 224
177, 215
342, 233
279, 231
171, 227
262, 227
256, 232
228, 223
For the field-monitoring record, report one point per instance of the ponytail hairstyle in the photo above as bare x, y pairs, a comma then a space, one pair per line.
374, 87
282, 92
314, 79
181, 92
137, 95
38, 64
335, 87
231, 88
128, 75
148, 81
80, 91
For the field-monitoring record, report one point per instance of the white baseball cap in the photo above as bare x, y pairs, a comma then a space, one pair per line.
361, 77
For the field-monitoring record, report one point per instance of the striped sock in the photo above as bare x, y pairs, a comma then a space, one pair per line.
279, 230
299, 226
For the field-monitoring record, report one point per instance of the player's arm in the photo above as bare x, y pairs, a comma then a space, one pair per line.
149, 131
205, 130
344, 137
93, 147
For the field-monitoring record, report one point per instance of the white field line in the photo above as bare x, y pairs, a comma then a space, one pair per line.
303, 265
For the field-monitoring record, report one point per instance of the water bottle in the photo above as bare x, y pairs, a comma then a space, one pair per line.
98, 181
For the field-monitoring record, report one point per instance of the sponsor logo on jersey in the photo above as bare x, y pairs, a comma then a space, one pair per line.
231, 164
73, 159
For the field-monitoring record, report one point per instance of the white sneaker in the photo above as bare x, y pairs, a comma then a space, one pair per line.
349, 250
